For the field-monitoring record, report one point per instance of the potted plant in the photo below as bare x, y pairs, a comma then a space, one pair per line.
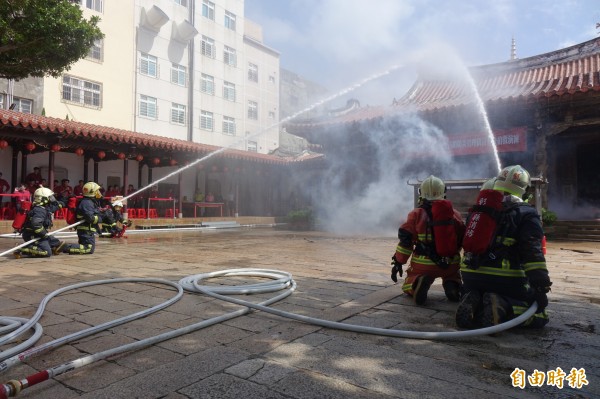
301, 219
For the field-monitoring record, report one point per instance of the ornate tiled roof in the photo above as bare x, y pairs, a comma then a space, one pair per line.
107, 135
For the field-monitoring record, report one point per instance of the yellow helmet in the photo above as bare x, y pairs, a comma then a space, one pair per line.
489, 184
92, 190
513, 179
432, 188
42, 195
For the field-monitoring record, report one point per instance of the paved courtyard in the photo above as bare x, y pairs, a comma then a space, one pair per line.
259, 355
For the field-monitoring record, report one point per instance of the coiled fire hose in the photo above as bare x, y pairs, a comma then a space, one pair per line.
278, 281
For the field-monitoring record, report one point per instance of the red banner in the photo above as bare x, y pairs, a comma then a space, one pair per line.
510, 140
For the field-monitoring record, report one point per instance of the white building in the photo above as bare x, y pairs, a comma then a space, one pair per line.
193, 70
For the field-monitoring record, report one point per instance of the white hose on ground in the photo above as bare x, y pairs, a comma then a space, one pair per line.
279, 280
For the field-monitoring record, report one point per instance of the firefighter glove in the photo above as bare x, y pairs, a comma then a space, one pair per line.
396, 269
541, 297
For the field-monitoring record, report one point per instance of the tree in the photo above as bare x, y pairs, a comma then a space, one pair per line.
43, 37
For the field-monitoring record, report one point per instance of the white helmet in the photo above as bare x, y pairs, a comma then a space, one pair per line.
42, 195
489, 184
432, 188
117, 203
514, 180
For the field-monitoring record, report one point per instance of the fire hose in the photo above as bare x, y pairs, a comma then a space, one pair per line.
26, 243
278, 281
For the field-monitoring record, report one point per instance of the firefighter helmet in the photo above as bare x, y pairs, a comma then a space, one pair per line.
432, 188
91, 189
489, 184
513, 179
42, 195
117, 204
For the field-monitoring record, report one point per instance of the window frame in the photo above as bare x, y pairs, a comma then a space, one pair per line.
207, 118
229, 56
178, 111
252, 72
206, 82
251, 146
207, 47
230, 20
84, 89
144, 99
229, 93
176, 71
229, 125
149, 60
98, 44
208, 9
252, 110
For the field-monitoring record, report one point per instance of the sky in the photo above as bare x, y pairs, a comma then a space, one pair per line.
339, 43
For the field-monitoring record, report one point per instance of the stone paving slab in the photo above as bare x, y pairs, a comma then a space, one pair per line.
259, 355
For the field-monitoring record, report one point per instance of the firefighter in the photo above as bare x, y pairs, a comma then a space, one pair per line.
419, 242
88, 211
113, 222
37, 223
501, 283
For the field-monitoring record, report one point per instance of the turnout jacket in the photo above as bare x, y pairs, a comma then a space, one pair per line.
39, 219
88, 211
514, 258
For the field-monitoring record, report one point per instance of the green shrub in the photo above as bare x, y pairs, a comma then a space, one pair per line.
300, 216
548, 217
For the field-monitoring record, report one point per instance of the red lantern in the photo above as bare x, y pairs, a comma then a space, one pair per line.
237, 169
139, 158
3, 144
214, 168
122, 155
79, 151
101, 154
225, 169
30, 146
55, 148
173, 162
156, 161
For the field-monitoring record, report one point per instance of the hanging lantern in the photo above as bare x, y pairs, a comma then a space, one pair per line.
79, 151
214, 168
101, 154
225, 169
3, 144
173, 162
55, 148
30, 146
186, 163
139, 158
156, 161
121, 155
237, 169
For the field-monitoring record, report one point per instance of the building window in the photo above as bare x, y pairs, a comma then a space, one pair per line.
252, 146
95, 5
208, 9
271, 78
24, 105
252, 72
148, 107
178, 74
228, 125
252, 110
271, 115
96, 52
229, 91
178, 113
181, 2
229, 56
206, 120
208, 46
148, 65
229, 20
208, 84
81, 92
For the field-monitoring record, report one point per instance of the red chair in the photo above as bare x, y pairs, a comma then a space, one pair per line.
7, 213
169, 213
131, 213
141, 213
152, 213
61, 213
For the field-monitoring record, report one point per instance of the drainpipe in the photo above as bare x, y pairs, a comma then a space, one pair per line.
191, 75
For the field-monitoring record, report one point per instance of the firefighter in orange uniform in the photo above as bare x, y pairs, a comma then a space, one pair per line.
431, 237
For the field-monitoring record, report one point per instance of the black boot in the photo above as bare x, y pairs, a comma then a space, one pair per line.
452, 290
496, 310
467, 310
420, 289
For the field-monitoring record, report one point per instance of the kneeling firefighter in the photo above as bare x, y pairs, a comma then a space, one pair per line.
37, 222
88, 211
113, 222
504, 269
431, 237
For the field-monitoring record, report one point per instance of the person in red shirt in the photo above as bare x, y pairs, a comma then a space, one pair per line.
22, 195
78, 189
63, 191
34, 179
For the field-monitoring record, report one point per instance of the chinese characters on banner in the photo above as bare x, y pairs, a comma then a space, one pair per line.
511, 140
